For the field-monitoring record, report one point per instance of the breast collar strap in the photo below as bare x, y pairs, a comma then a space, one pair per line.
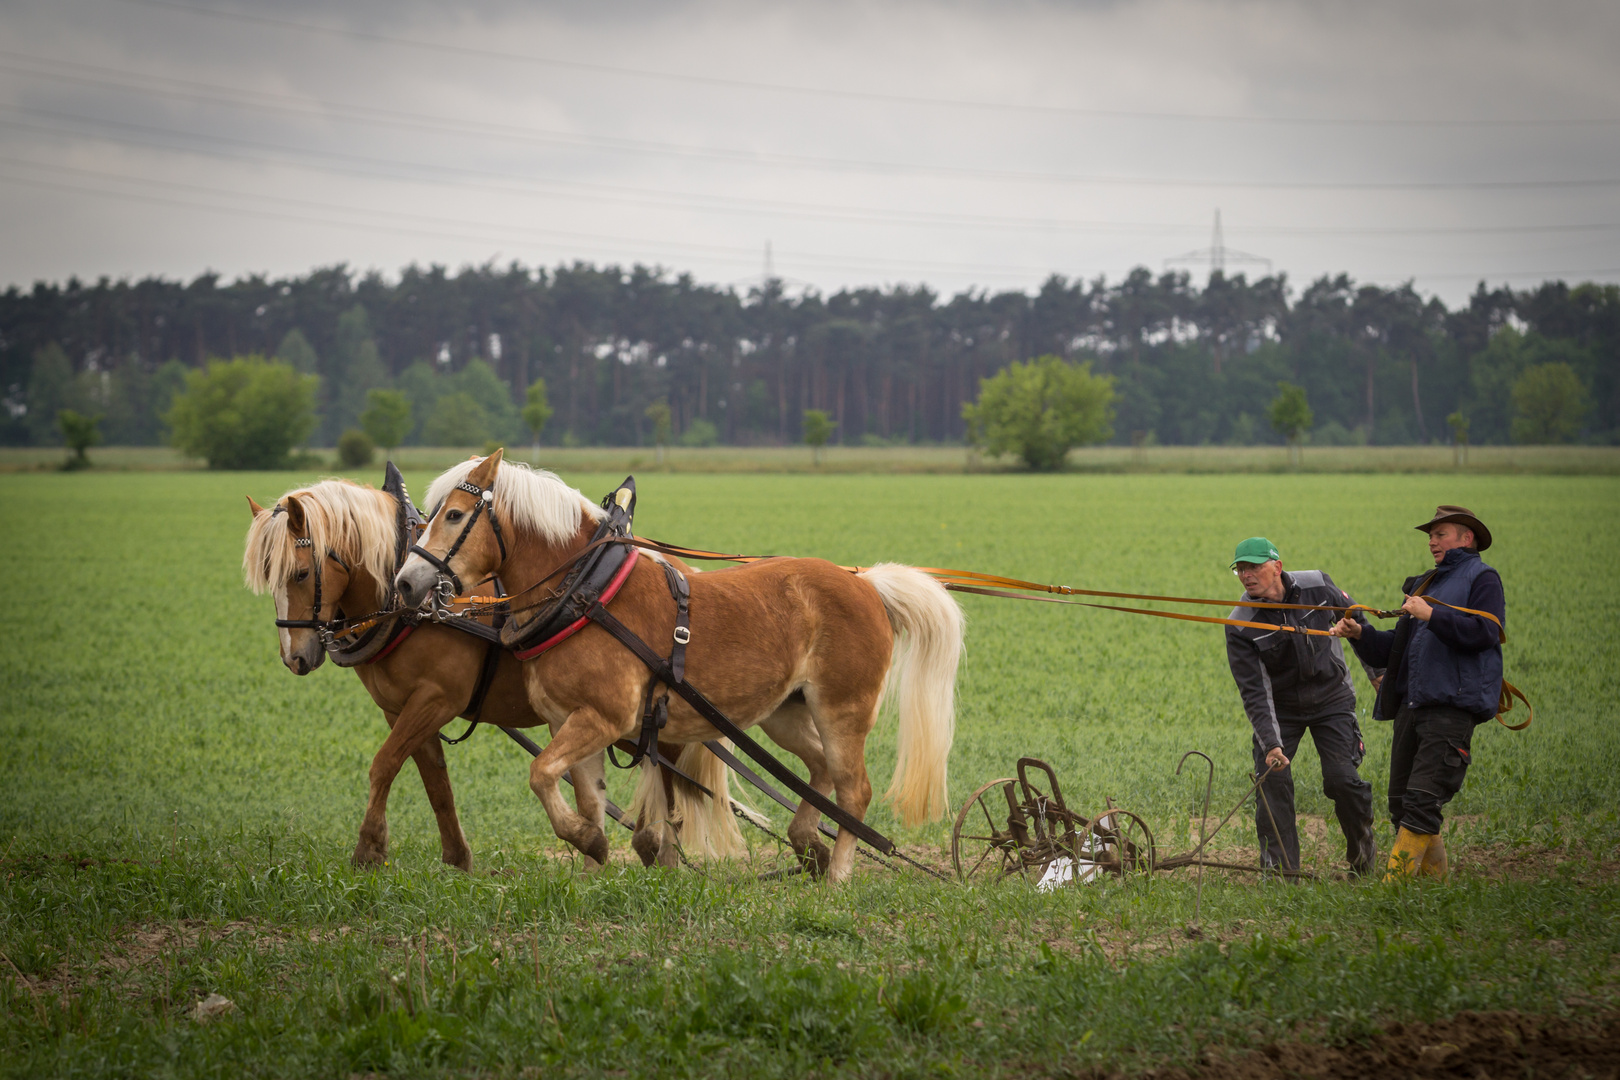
486, 501
559, 628
386, 633
595, 575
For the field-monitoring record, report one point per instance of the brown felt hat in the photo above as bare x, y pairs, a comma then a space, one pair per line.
1462, 516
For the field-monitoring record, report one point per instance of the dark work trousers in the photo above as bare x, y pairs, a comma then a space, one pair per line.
1338, 745
1427, 763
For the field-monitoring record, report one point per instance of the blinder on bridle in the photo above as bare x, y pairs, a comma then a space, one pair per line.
448, 577
314, 622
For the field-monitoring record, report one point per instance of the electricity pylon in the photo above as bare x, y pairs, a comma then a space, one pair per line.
1217, 255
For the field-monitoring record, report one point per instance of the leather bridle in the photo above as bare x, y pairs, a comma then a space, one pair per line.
486, 501
322, 627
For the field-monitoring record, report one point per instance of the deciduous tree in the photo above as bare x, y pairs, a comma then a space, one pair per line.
818, 428
245, 413
1290, 416
1549, 404
658, 412
387, 418
1040, 410
536, 410
80, 433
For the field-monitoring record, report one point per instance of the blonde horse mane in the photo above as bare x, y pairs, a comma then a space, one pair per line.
354, 521
536, 499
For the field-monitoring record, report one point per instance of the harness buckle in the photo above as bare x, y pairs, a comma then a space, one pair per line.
682, 635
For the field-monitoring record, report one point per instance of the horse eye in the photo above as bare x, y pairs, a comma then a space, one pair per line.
303, 575
452, 516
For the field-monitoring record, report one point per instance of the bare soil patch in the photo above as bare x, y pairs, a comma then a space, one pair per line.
1471, 1045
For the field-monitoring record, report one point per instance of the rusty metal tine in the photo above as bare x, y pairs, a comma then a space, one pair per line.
1203, 821
1276, 831
1232, 811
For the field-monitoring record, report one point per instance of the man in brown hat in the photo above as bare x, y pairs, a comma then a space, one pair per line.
1444, 676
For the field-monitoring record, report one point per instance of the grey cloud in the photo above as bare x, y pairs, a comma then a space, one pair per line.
341, 150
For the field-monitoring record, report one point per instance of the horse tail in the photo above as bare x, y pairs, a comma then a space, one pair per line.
922, 676
708, 826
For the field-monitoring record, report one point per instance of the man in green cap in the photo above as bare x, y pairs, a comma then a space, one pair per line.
1292, 682
1445, 677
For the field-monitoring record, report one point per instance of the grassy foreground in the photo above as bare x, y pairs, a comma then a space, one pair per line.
176, 810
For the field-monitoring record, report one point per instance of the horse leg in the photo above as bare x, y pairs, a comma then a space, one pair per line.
843, 728
583, 734
793, 729
590, 794
654, 838
406, 732
430, 764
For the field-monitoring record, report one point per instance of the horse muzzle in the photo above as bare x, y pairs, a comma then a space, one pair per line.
416, 582
304, 660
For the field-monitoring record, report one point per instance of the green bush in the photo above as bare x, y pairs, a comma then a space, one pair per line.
244, 413
700, 433
1040, 410
355, 449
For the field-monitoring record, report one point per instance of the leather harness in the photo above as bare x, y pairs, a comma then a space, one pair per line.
591, 581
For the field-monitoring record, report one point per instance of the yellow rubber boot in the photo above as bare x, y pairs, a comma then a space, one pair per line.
1434, 860
1408, 854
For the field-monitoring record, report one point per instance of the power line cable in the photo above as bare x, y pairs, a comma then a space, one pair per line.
495, 232
409, 226
215, 94
798, 162
634, 247
755, 86
527, 185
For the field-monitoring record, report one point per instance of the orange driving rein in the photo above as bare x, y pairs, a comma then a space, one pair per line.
972, 581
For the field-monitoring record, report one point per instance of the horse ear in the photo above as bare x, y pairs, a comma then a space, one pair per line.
257, 509
484, 474
295, 516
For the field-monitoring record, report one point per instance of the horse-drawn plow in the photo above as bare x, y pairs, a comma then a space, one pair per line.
1021, 826
555, 561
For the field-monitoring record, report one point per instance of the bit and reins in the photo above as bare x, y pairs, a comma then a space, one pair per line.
321, 627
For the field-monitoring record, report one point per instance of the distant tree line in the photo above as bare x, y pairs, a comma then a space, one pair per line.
1189, 364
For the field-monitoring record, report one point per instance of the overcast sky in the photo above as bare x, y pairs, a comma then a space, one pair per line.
958, 145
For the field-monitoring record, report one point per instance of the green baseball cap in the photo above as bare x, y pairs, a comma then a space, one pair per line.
1256, 549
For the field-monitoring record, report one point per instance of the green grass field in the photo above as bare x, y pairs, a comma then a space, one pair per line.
176, 810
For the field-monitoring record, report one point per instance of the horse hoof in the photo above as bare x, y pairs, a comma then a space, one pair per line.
645, 843
595, 847
366, 856
589, 866
815, 857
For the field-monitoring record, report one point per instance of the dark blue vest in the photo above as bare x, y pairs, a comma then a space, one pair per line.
1440, 675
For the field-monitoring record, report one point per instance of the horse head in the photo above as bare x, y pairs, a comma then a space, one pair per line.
462, 542
317, 548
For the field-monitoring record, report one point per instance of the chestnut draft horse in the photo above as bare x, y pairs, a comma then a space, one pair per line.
423, 676
799, 647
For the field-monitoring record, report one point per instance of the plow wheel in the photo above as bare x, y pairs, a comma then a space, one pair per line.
1118, 842
980, 849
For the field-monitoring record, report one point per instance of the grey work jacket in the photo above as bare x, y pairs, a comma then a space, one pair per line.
1287, 676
